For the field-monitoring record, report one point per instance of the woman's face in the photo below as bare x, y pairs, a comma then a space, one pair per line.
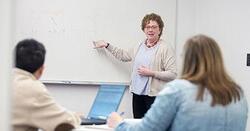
152, 30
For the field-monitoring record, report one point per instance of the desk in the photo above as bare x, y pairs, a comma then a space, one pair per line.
93, 128
103, 127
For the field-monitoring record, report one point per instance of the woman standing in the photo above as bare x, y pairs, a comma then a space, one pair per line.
153, 63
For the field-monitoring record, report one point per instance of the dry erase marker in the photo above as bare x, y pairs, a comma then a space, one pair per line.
94, 43
66, 82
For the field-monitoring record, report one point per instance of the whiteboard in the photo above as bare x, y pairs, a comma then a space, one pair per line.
68, 27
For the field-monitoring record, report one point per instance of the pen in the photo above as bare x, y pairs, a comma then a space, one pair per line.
122, 113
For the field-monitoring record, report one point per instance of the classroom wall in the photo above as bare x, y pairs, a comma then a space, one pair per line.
185, 26
5, 63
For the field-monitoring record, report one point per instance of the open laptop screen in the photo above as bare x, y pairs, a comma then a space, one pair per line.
107, 100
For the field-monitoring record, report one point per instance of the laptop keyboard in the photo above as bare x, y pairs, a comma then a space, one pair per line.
86, 121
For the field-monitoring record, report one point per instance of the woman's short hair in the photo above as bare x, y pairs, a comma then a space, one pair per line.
152, 17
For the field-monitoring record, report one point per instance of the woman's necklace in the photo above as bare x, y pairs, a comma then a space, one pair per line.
151, 44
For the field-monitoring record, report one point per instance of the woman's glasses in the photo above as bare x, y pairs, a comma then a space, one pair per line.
153, 27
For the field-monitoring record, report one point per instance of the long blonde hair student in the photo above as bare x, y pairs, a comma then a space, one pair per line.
203, 65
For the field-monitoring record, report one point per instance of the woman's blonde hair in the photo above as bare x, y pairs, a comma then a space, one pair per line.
203, 65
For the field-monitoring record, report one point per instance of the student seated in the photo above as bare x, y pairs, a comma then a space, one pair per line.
205, 98
33, 107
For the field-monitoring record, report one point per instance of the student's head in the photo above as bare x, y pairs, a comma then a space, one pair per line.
203, 65
29, 55
152, 18
202, 56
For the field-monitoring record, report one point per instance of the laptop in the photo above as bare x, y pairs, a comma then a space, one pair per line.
106, 101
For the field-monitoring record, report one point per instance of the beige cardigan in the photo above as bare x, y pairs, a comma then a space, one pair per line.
164, 63
33, 108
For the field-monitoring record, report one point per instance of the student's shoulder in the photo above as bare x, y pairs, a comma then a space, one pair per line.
35, 87
39, 87
177, 86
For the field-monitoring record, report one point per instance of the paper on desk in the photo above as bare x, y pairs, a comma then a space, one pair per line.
93, 128
132, 121
101, 127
